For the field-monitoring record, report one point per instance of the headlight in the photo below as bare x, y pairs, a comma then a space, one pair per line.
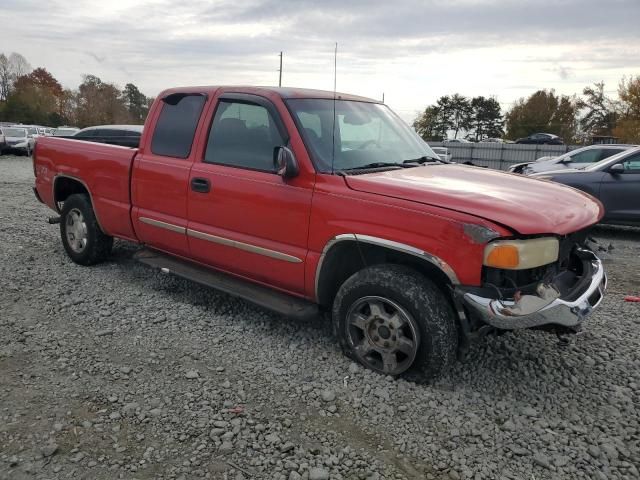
521, 254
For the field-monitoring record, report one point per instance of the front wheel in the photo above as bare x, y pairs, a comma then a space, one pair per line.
394, 320
82, 238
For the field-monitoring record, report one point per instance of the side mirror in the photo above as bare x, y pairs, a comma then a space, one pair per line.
617, 168
565, 159
285, 162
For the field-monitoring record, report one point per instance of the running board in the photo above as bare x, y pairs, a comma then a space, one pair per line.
265, 297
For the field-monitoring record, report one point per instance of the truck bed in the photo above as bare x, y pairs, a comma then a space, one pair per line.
103, 169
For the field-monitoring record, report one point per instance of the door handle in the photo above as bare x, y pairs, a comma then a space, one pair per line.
200, 185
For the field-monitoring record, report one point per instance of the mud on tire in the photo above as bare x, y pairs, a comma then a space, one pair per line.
387, 311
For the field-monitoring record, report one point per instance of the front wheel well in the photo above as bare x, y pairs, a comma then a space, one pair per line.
348, 257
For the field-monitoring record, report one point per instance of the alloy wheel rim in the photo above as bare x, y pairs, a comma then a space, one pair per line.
382, 334
76, 230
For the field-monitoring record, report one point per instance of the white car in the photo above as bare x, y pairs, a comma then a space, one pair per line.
19, 140
575, 159
443, 153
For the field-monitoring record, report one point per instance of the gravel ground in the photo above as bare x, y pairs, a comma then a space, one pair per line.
114, 371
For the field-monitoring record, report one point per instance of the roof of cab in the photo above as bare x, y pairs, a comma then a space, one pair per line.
283, 92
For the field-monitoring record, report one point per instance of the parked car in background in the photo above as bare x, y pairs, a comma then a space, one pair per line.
443, 153
18, 140
457, 140
541, 139
65, 131
3, 142
492, 140
124, 135
614, 181
579, 158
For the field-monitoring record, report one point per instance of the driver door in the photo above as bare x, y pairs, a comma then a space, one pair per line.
620, 192
244, 218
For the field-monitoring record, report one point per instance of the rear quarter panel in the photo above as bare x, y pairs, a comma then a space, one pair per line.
104, 170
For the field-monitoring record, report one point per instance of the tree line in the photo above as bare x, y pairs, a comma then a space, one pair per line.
577, 119
34, 96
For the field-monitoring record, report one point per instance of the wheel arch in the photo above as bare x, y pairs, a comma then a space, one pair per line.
346, 254
66, 185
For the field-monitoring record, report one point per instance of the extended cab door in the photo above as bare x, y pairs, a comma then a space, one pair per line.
243, 217
160, 177
620, 192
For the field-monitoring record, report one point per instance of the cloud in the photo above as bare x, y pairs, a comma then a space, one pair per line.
414, 50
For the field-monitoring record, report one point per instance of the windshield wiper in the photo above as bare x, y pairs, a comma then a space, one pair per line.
423, 159
376, 165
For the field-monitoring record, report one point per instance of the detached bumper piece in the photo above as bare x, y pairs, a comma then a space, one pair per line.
548, 306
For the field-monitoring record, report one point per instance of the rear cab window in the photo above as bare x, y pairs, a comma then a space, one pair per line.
176, 126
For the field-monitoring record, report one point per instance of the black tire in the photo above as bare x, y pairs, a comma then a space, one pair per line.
423, 305
90, 247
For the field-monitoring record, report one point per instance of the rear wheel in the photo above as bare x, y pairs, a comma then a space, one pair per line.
395, 321
82, 238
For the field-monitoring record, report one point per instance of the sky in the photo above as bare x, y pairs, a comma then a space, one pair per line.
412, 51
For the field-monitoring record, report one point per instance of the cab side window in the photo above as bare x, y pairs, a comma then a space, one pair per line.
632, 164
243, 135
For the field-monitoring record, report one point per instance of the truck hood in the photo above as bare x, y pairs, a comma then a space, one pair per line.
526, 205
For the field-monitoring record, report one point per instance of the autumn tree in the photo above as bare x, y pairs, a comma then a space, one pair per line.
11, 68
628, 126
600, 116
99, 103
35, 98
543, 111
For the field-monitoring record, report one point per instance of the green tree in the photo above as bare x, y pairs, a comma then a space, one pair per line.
461, 113
135, 102
486, 118
543, 111
426, 125
601, 116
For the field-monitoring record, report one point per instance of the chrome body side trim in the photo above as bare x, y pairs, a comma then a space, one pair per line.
390, 244
55, 201
167, 226
247, 247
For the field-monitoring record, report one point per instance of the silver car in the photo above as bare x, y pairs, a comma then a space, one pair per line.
19, 140
443, 153
579, 158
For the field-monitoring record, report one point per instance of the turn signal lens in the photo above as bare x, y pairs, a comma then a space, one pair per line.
521, 254
503, 256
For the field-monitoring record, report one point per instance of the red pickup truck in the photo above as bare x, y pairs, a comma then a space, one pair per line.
306, 203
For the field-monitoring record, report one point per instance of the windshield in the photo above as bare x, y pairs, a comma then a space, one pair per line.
15, 132
365, 134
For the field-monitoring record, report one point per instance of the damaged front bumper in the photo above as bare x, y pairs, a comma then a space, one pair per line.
548, 306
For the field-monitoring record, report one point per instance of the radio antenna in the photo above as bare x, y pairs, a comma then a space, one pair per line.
333, 133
